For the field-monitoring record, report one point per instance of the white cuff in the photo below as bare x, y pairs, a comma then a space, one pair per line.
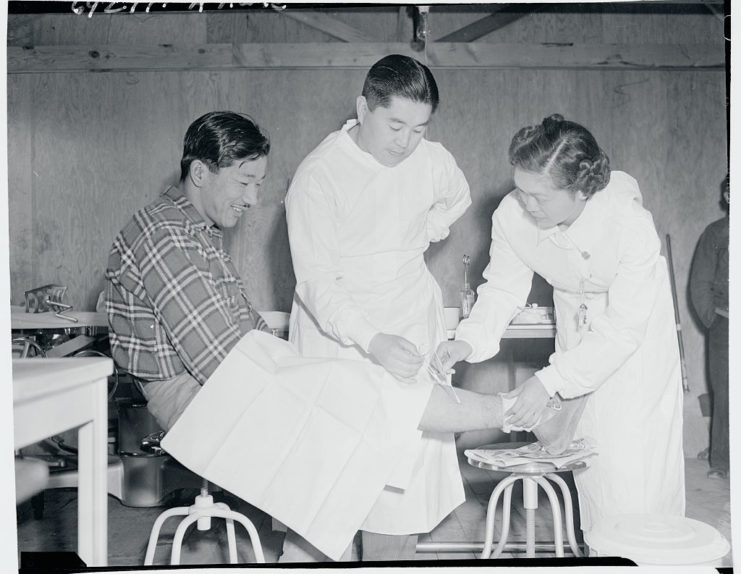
550, 379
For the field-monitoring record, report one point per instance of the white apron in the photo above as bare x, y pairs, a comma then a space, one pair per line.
626, 359
358, 239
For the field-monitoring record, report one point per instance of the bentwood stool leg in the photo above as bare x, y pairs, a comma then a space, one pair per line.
568, 512
230, 534
153, 537
491, 511
556, 510
506, 512
177, 540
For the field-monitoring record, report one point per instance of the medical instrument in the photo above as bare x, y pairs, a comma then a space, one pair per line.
682, 362
582, 321
437, 372
468, 297
60, 313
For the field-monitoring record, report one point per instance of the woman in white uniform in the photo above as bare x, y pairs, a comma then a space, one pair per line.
583, 228
362, 209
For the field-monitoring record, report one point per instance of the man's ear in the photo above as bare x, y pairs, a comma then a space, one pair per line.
197, 172
361, 108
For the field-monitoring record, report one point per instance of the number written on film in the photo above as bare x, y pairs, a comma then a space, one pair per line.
91, 8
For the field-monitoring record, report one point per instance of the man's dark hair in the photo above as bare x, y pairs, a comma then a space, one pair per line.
218, 139
401, 76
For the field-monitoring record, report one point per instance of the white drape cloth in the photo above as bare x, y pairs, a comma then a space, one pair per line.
312, 442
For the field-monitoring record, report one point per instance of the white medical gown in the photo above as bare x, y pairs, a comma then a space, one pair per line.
627, 358
358, 232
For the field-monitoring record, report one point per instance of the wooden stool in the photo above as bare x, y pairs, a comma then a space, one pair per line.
532, 475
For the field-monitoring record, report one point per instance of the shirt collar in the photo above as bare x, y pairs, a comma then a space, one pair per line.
195, 219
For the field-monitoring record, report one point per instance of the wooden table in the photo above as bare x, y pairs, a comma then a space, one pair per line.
54, 395
47, 330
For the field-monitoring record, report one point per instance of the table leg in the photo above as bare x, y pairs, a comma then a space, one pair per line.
92, 487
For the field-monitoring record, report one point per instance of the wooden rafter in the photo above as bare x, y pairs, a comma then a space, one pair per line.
328, 25
44, 59
483, 26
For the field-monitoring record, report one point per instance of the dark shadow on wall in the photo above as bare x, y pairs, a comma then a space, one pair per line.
280, 267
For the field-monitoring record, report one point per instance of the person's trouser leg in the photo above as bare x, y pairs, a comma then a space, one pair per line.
388, 547
166, 400
718, 374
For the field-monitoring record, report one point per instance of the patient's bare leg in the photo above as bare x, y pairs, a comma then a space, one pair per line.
474, 412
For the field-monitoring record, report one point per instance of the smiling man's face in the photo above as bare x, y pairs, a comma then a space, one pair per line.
226, 194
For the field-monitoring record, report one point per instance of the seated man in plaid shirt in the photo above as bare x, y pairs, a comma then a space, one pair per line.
175, 303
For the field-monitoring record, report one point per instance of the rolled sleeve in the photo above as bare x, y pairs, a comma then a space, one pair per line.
452, 198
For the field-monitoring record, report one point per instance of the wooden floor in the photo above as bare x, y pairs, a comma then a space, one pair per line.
708, 500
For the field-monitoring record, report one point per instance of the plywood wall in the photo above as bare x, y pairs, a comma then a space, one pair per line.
88, 149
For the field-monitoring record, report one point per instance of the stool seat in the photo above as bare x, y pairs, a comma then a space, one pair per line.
533, 475
657, 539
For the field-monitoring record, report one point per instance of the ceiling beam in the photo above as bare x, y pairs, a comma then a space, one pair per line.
483, 26
167, 57
327, 24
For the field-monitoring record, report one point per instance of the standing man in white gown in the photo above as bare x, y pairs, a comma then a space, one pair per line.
362, 210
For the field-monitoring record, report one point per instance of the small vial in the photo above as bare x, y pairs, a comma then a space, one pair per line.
468, 297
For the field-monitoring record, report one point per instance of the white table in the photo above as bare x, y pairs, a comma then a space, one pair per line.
54, 395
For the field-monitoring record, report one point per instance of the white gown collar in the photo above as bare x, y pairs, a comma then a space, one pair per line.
581, 234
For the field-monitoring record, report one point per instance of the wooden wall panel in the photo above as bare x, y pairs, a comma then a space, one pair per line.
100, 28
20, 190
610, 25
260, 26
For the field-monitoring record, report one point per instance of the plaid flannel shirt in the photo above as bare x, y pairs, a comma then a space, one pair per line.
173, 297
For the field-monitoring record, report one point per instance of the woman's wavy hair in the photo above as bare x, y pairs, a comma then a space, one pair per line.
565, 151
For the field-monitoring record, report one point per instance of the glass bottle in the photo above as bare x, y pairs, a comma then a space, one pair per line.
467, 295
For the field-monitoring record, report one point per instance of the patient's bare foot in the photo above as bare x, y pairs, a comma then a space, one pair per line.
556, 433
